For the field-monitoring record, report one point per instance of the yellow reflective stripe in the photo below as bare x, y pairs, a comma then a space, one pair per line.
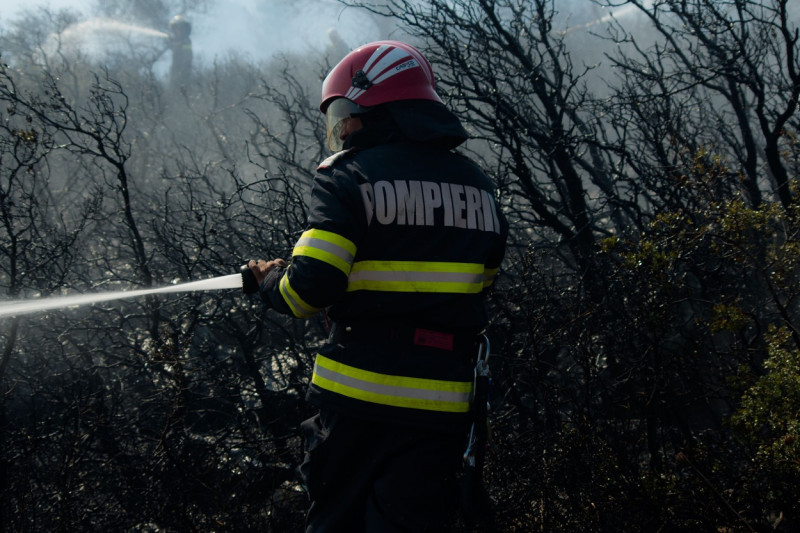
327, 247
299, 307
416, 276
397, 391
488, 276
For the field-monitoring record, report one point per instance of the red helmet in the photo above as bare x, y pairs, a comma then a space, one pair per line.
380, 72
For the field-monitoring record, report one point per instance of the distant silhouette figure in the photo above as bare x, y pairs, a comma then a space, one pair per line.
336, 48
181, 45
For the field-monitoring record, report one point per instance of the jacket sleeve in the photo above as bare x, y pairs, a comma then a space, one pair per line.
497, 254
323, 255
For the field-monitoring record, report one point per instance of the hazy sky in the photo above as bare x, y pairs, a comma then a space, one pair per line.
255, 28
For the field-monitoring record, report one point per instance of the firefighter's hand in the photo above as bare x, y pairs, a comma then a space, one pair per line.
261, 268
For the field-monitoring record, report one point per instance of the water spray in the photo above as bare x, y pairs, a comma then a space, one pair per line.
101, 38
244, 280
624, 11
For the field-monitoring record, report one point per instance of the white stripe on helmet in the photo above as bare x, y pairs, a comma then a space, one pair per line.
397, 55
353, 93
375, 55
379, 67
411, 63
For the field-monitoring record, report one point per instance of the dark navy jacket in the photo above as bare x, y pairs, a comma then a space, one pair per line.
403, 239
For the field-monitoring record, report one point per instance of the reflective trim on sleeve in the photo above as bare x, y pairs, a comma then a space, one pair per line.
327, 247
488, 276
397, 391
416, 276
299, 308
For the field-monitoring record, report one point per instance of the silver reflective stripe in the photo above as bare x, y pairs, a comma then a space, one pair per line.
391, 390
299, 308
397, 391
327, 246
447, 277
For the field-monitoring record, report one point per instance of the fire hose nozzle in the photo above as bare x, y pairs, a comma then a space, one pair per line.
249, 282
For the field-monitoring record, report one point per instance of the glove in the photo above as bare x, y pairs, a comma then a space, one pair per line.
249, 282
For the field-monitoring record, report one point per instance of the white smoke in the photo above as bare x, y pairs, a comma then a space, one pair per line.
253, 29
259, 30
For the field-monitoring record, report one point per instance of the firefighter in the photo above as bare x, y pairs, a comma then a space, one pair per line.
404, 238
181, 46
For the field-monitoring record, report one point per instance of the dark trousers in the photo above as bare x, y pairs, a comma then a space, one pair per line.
371, 477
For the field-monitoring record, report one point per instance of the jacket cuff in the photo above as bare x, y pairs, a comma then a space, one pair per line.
267, 286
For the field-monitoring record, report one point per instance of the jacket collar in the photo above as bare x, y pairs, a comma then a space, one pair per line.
420, 121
